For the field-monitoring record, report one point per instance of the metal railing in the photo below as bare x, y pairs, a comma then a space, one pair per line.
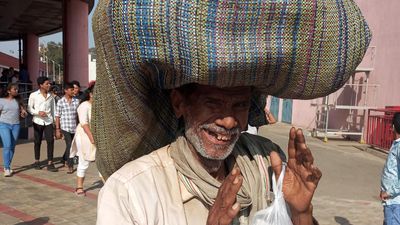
379, 129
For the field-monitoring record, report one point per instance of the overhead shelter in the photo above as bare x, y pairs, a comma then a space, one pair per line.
27, 20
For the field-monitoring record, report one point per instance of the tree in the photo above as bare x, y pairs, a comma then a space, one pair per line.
52, 55
55, 52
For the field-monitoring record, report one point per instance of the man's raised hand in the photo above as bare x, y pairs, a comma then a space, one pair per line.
225, 207
301, 177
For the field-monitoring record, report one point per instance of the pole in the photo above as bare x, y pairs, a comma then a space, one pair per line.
59, 73
20, 52
326, 118
54, 71
47, 65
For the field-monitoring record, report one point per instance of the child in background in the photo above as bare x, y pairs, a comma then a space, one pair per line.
390, 181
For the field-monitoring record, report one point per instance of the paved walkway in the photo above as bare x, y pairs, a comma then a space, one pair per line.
347, 193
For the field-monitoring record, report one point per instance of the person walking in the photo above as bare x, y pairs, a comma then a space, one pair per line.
66, 121
390, 184
41, 105
83, 143
11, 108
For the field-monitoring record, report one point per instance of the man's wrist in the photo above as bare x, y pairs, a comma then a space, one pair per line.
304, 218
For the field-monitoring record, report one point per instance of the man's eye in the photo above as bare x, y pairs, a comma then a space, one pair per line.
242, 104
211, 103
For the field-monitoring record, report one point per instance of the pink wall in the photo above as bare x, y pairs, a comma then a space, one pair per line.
8, 61
383, 56
383, 19
32, 57
76, 42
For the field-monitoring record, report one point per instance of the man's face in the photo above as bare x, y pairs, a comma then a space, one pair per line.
46, 85
214, 118
76, 90
69, 92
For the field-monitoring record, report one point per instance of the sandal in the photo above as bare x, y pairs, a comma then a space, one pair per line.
80, 192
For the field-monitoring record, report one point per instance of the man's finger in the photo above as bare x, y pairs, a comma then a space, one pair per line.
291, 143
230, 187
276, 163
303, 153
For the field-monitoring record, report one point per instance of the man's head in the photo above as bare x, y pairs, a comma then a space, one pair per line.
43, 83
396, 123
69, 89
55, 90
77, 87
214, 117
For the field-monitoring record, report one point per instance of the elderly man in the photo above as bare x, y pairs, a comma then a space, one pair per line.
211, 156
186, 77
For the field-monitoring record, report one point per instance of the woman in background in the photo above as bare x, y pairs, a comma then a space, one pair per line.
83, 143
11, 108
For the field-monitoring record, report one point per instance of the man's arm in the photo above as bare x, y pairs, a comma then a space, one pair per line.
31, 107
58, 127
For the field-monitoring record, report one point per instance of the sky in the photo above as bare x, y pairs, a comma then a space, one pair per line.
11, 47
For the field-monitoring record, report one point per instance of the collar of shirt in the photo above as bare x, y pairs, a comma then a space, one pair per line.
73, 100
39, 93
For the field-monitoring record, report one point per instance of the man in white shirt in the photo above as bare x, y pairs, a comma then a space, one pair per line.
41, 105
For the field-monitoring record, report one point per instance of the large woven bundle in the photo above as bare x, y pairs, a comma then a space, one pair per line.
287, 48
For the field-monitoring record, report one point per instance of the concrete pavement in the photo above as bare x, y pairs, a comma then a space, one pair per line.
347, 194
349, 188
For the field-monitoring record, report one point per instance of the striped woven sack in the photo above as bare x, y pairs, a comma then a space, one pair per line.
298, 49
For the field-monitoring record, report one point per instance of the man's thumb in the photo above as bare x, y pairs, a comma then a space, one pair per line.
276, 163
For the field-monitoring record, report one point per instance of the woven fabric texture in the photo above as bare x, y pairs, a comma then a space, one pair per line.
298, 49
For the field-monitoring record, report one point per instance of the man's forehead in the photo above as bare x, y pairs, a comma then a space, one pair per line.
209, 90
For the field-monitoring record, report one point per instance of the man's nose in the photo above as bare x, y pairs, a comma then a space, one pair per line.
228, 122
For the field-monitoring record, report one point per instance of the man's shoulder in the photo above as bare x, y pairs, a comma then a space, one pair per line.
35, 93
144, 165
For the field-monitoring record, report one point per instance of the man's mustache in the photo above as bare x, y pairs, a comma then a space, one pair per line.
221, 130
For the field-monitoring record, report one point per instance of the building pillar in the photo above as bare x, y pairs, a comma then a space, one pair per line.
31, 56
76, 41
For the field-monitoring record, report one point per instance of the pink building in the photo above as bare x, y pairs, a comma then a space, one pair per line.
7, 61
374, 85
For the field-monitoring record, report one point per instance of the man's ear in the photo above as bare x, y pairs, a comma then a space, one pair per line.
177, 101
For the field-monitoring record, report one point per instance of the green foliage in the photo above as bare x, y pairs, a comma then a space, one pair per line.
53, 51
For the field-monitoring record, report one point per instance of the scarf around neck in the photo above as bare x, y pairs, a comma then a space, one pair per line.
250, 154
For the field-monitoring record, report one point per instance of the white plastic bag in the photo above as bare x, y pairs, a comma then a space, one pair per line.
276, 213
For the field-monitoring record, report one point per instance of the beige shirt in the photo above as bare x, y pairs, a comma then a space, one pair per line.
147, 191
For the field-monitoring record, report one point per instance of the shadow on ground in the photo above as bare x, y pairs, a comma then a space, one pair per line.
342, 221
37, 221
42, 163
95, 185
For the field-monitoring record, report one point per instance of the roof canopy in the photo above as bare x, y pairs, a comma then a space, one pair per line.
40, 17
